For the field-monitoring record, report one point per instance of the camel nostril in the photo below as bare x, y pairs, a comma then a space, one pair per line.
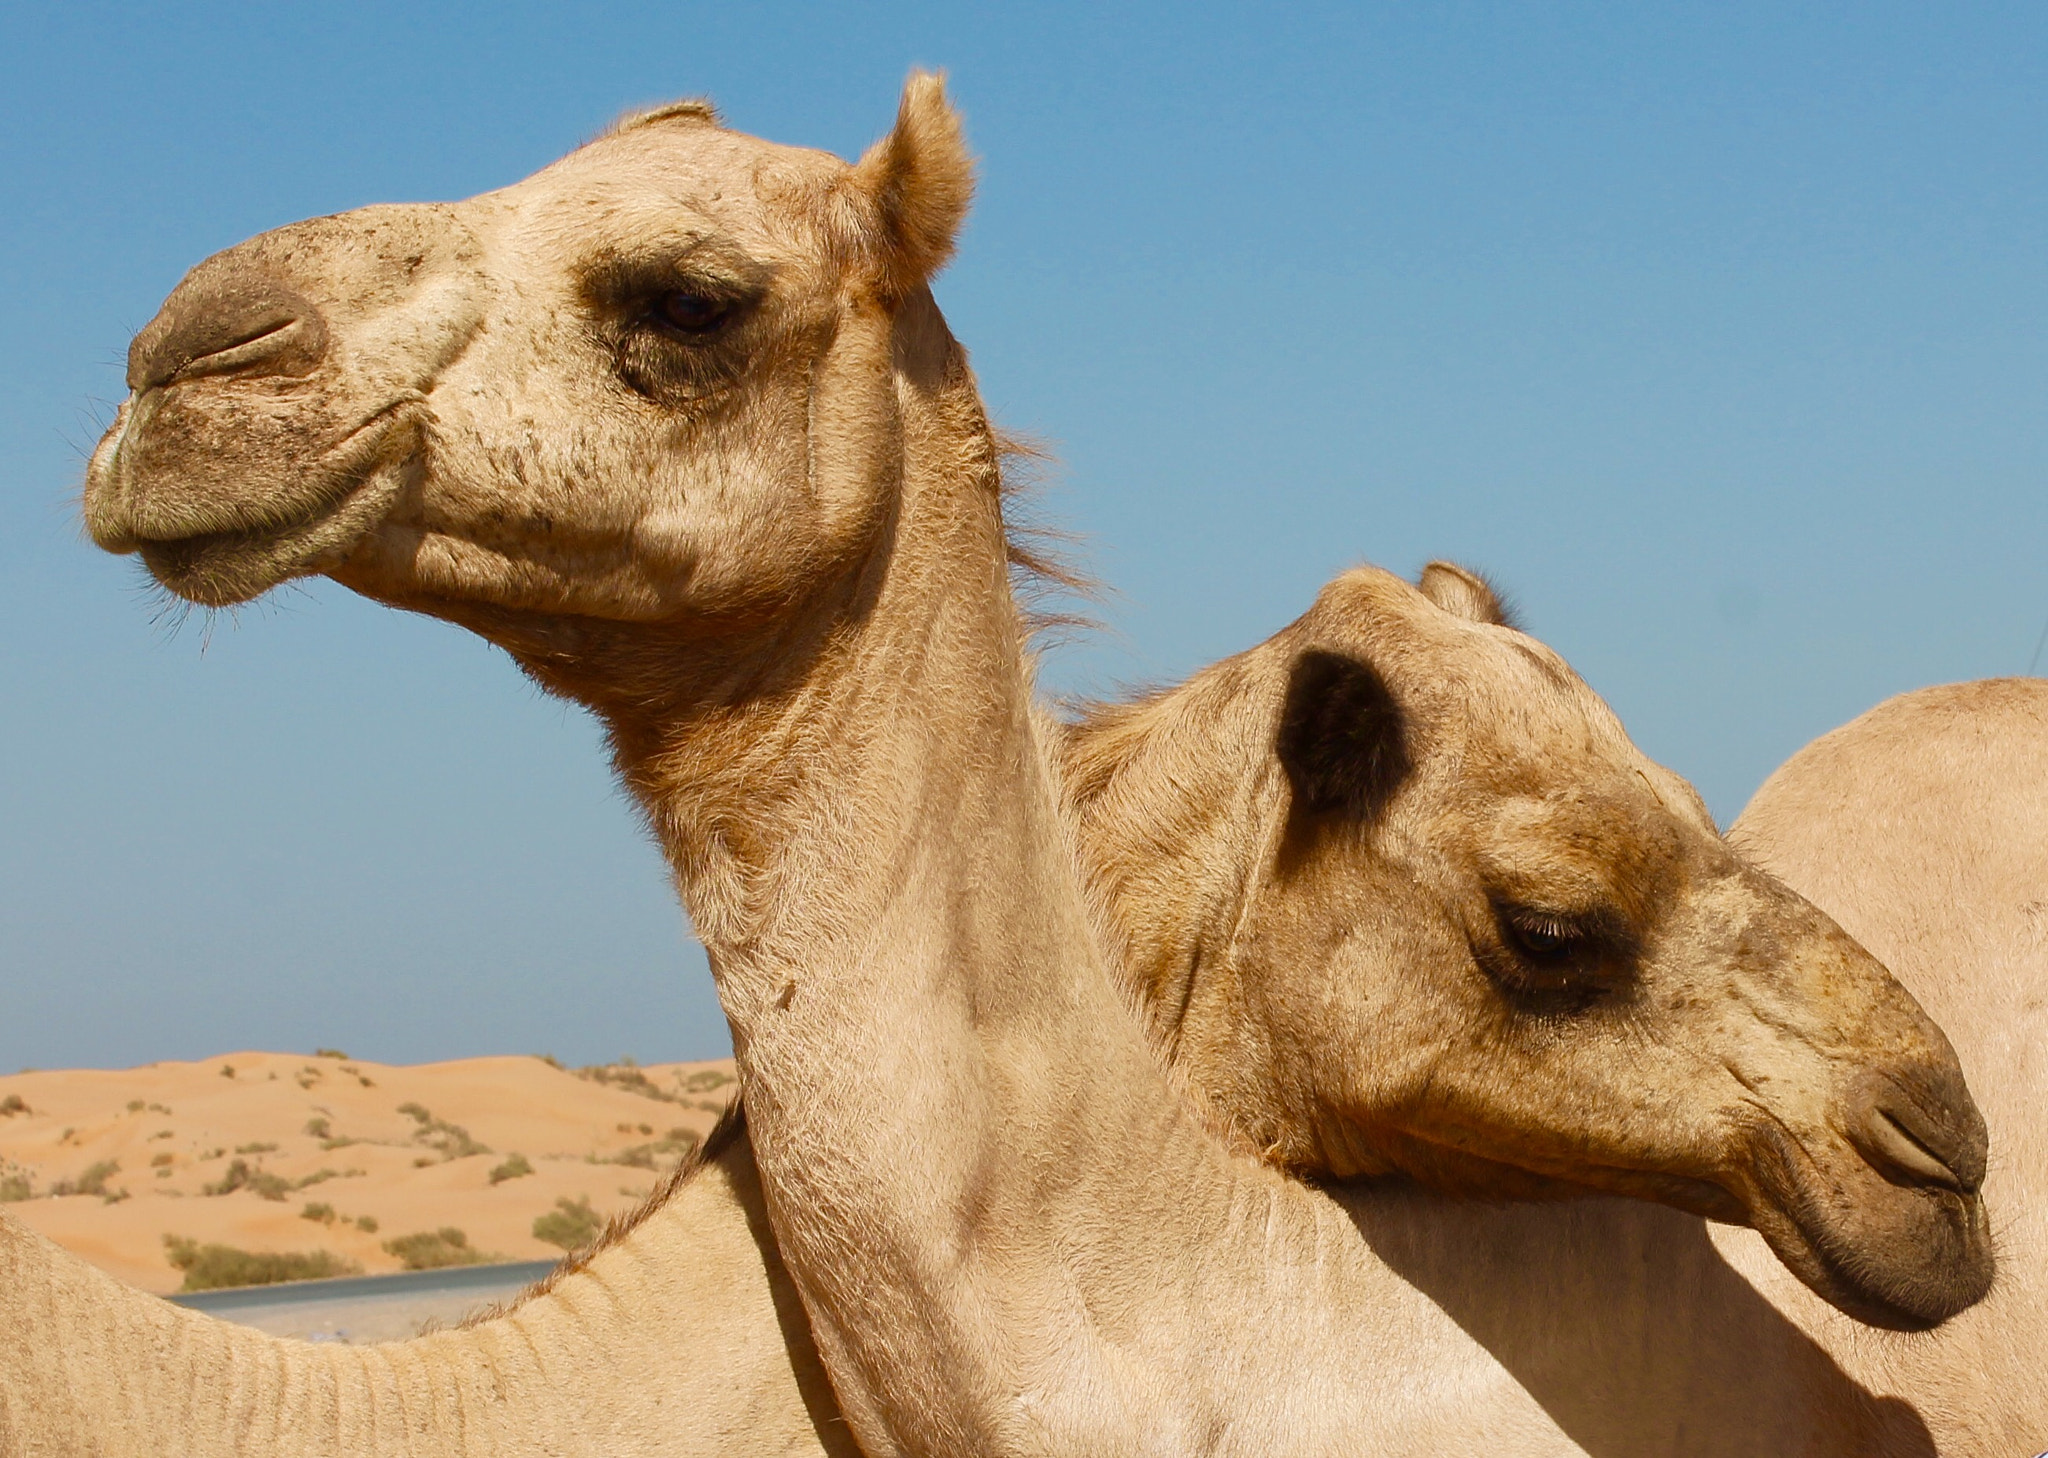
1934, 1139
228, 319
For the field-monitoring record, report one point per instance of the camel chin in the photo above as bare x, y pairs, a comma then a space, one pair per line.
1899, 1256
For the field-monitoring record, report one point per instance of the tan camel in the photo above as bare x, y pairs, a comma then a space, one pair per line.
1923, 827
676, 423
691, 1305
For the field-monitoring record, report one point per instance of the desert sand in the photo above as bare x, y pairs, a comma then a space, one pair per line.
336, 1154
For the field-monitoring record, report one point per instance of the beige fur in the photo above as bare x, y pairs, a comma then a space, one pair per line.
769, 553
697, 1272
1923, 827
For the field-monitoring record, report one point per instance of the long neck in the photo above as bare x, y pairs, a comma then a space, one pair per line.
872, 852
1008, 1231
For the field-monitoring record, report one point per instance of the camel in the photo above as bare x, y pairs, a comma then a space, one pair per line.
698, 1271
1923, 828
677, 424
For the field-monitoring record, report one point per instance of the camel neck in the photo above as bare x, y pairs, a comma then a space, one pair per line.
868, 841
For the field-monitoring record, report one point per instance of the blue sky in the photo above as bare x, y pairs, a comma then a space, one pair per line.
1715, 333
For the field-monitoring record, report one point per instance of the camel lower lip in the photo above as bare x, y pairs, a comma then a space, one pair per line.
173, 558
1939, 1246
356, 489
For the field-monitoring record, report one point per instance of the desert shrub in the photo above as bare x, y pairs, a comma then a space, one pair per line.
210, 1267
429, 1250
257, 1148
512, 1169
367, 1224
626, 1076
318, 1210
656, 1154
571, 1224
160, 1160
452, 1140
15, 1185
92, 1182
317, 1128
135, 1106
329, 1053
13, 1104
257, 1180
706, 1079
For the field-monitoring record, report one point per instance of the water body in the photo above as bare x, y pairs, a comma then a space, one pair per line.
368, 1308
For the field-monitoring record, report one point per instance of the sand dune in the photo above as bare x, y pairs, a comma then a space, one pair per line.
112, 1161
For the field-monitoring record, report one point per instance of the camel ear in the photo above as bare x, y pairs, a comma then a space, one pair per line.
1342, 739
919, 180
1464, 592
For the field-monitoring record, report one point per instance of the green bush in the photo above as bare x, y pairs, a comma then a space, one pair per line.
259, 1181
210, 1267
15, 1186
571, 1224
429, 1250
452, 1140
92, 1182
318, 1210
512, 1169
658, 1154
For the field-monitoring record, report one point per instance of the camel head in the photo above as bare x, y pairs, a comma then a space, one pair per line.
1442, 918
655, 383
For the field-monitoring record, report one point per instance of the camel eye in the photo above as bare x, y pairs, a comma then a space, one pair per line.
692, 313
1539, 937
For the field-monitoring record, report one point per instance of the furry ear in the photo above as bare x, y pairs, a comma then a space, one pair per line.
1342, 739
1464, 592
919, 180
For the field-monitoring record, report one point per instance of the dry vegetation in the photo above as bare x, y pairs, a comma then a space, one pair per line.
211, 1267
189, 1176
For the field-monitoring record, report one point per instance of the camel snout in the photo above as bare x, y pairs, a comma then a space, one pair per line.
228, 317
1919, 1128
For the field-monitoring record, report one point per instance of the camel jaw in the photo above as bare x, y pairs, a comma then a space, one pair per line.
217, 550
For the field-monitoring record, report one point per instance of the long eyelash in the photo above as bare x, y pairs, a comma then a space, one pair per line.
1541, 925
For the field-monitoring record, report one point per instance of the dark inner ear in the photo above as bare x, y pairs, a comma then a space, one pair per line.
1342, 739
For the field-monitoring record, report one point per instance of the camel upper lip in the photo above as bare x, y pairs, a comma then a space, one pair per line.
339, 471
334, 508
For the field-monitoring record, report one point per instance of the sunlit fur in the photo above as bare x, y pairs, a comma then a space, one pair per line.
1923, 828
773, 561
